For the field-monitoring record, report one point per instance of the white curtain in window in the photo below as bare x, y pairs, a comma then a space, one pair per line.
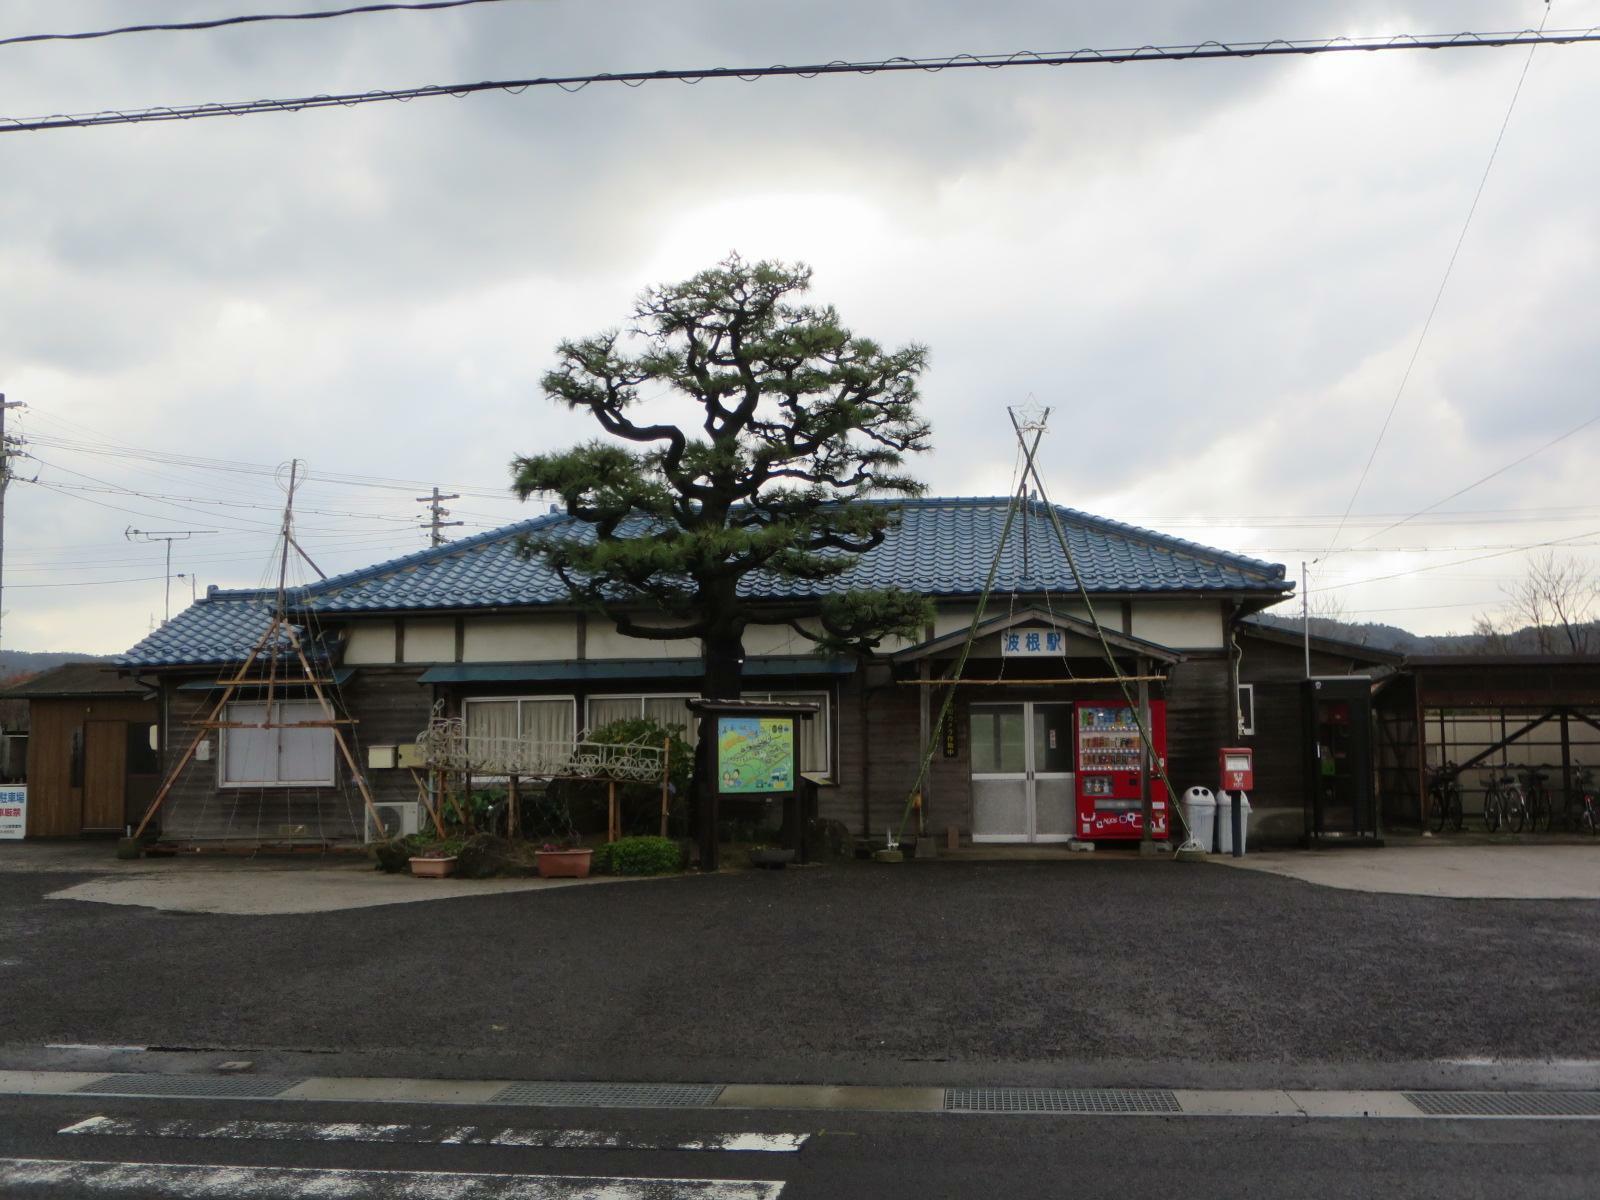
304, 755
673, 711
249, 755
548, 725
491, 718
605, 709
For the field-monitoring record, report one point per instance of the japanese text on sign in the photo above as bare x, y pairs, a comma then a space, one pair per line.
1028, 643
13, 812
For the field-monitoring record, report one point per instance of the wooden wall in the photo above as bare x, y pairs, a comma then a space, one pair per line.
55, 807
390, 707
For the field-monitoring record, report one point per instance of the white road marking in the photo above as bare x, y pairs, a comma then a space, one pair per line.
113, 1049
186, 1181
434, 1135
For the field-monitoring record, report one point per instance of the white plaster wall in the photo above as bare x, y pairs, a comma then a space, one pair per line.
1180, 624
370, 642
520, 639
603, 641
767, 640
430, 640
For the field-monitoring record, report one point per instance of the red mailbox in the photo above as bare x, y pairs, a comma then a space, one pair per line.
1236, 769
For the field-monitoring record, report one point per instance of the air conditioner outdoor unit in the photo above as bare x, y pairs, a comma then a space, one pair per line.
399, 819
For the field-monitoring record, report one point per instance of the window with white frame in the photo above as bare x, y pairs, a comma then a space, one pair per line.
1247, 708
673, 709
814, 739
668, 709
261, 747
547, 723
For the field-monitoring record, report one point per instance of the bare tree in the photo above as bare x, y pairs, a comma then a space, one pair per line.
1556, 599
1491, 634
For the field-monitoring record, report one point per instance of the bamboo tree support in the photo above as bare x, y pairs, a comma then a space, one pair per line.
425, 798
338, 734
613, 817
171, 780
513, 807
666, 782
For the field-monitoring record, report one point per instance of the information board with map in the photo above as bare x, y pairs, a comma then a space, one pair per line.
755, 755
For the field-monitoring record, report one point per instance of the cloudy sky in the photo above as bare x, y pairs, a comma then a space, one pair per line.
1214, 273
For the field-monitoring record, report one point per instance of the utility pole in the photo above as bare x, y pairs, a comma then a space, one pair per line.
437, 514
1305, 612
8, 447
168, 536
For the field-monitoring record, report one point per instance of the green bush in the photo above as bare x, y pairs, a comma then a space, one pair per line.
639, 856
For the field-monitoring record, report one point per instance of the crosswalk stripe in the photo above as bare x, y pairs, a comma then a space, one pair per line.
195, 1181
441, 1135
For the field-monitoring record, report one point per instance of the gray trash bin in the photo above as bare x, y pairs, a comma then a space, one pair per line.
1200, 815
1225, 823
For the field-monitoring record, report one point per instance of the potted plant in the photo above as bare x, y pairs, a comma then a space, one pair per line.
434, 861
772, 858
563, 861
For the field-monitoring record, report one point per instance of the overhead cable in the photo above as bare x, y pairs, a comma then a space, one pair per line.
1433, 309
248, 19
1277, 47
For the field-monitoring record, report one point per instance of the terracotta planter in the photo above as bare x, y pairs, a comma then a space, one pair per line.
563, 864
433, 868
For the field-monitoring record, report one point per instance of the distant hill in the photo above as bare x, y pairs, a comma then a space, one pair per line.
31, 662
1391, 637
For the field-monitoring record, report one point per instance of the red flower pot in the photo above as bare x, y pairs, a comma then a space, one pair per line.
563, 864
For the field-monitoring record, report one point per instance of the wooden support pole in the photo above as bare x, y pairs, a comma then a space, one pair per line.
338, 734
666, 782
613, 818
513, 807
428, 806
1030, 682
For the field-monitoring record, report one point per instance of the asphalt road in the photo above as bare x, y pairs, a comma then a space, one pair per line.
1110, 971
884, 1156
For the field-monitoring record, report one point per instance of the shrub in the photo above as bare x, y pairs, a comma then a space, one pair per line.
639, 856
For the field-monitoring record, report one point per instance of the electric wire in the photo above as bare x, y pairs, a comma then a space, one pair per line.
964, 61
1438, 296
245, 19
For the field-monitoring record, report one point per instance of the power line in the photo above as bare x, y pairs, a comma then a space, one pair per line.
248, 19
1566, 541
1438, 296
1024, 58
1516, 462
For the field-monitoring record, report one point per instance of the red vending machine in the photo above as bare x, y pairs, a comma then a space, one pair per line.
1109, 804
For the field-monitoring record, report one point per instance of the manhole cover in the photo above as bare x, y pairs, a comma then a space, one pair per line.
1507, 1104
611, 1095
1060, 1100
244, 1087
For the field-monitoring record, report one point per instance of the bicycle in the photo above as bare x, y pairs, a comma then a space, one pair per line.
1536, 791
1444, 798
1580, 812
1503, 803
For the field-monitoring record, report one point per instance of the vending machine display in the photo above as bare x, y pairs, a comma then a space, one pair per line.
1109, 801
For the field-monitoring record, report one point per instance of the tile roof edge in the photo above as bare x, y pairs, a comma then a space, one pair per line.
430, 553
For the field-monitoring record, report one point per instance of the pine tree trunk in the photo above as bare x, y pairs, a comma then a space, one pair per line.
724, 659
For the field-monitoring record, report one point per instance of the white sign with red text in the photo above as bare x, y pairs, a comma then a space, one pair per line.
13, 812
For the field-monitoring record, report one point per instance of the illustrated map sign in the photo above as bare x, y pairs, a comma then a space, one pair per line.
13, 812
755, 755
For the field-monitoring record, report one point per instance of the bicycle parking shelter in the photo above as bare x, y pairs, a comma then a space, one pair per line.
1489, 715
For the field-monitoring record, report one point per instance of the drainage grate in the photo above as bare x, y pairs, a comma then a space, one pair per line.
1507, 1104
611, 1095
242, 1087
1061, 1100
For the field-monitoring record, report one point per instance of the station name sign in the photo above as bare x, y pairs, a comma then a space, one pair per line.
1032, 643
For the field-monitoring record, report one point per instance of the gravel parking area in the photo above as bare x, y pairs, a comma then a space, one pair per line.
851, 973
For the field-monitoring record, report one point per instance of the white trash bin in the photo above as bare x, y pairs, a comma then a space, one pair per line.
1225, 823
1200, 815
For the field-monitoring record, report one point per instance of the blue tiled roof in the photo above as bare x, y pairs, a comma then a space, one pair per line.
942, 547
221, 627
